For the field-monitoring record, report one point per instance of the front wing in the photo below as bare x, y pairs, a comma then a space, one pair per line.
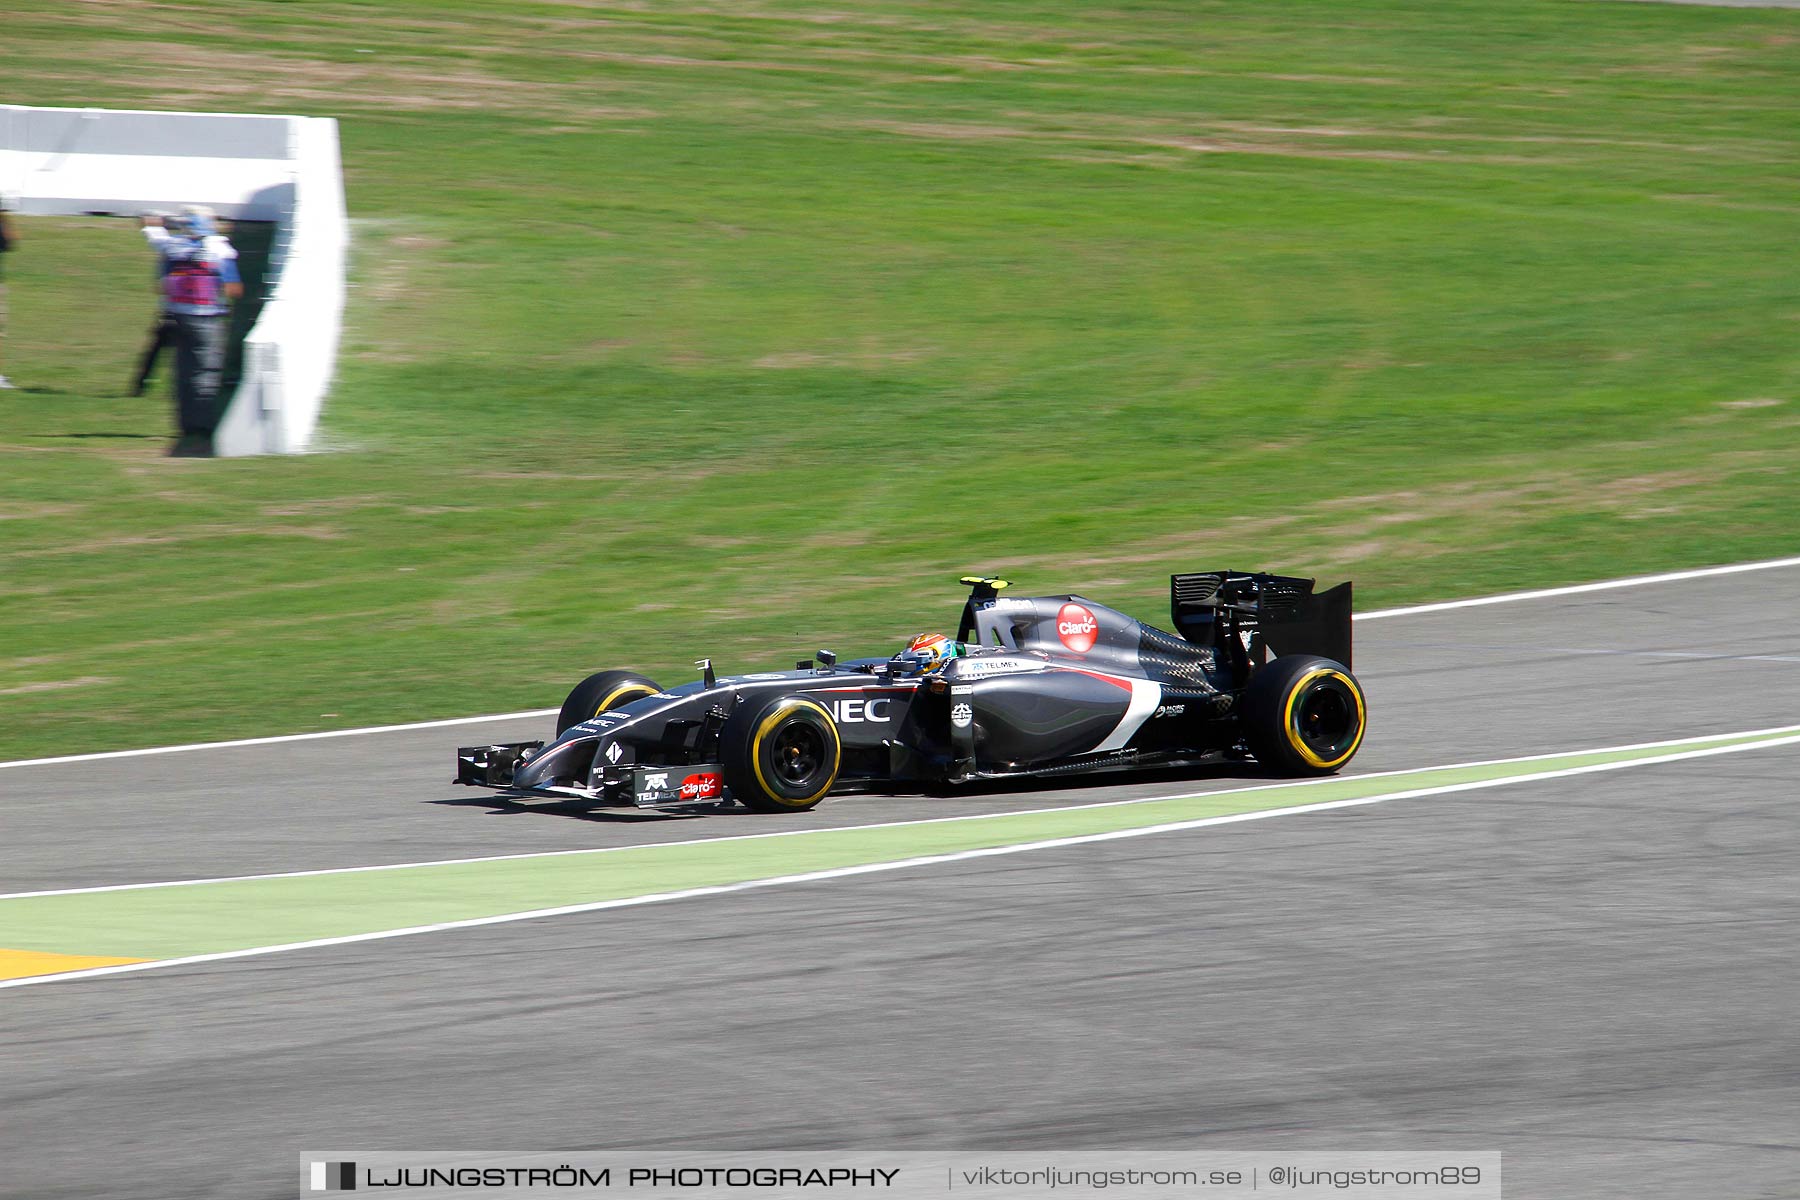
494, 766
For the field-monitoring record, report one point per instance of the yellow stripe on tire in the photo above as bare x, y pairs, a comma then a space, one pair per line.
624, 689
1293, 735
768, 724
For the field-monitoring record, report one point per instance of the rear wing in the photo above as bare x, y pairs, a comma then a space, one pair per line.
1280, 614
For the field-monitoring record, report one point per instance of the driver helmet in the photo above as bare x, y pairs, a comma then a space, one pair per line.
931, 651
199, 221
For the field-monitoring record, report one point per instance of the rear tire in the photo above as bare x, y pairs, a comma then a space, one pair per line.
1304, 715
781, 754
600, 692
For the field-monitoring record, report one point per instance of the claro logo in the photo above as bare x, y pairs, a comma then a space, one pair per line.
1077, 628
707, 786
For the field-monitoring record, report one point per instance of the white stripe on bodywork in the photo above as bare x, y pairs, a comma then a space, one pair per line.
1145, 696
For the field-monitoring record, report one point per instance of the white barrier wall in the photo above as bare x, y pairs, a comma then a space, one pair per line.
290, 353
257, 168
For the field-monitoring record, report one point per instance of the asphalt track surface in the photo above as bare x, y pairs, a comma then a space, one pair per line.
1594, 975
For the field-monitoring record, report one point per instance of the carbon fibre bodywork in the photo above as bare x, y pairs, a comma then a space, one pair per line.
1047, 685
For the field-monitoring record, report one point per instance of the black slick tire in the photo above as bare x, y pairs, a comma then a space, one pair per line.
602, 691
781, 754
1303, 715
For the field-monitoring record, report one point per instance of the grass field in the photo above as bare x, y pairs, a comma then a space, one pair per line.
675, 323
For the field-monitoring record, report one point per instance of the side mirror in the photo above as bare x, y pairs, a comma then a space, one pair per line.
826, 658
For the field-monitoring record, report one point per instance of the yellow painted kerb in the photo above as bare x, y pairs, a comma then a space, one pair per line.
22, 964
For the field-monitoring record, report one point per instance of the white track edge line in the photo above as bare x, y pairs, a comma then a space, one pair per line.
276, 740
1411, 610
898, 865
1276, 786
1581, 588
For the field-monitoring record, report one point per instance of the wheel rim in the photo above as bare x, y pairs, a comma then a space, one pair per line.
798, 752
1325, 720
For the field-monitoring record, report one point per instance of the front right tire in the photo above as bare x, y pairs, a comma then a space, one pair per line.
599, 692
781, 754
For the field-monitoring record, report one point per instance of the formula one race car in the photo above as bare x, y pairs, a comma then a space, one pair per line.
1042, 687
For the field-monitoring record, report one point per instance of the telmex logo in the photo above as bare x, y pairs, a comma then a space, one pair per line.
1077, 628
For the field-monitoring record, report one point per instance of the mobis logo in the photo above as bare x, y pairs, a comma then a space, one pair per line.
1077, 627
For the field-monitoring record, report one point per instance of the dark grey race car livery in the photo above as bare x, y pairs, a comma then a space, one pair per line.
1046, 686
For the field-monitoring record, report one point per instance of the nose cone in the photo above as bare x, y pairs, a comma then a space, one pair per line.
565, 762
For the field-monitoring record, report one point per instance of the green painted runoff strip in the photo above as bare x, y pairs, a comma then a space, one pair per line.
209, 918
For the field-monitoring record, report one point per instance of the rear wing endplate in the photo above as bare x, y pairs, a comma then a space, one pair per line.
982, 588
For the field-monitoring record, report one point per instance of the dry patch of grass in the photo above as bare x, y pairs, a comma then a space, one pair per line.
866, 358
24, 510
1312, 143
56, 685
194, 534
213, 77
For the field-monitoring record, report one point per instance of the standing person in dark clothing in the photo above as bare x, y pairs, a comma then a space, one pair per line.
198, 268
162, 335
